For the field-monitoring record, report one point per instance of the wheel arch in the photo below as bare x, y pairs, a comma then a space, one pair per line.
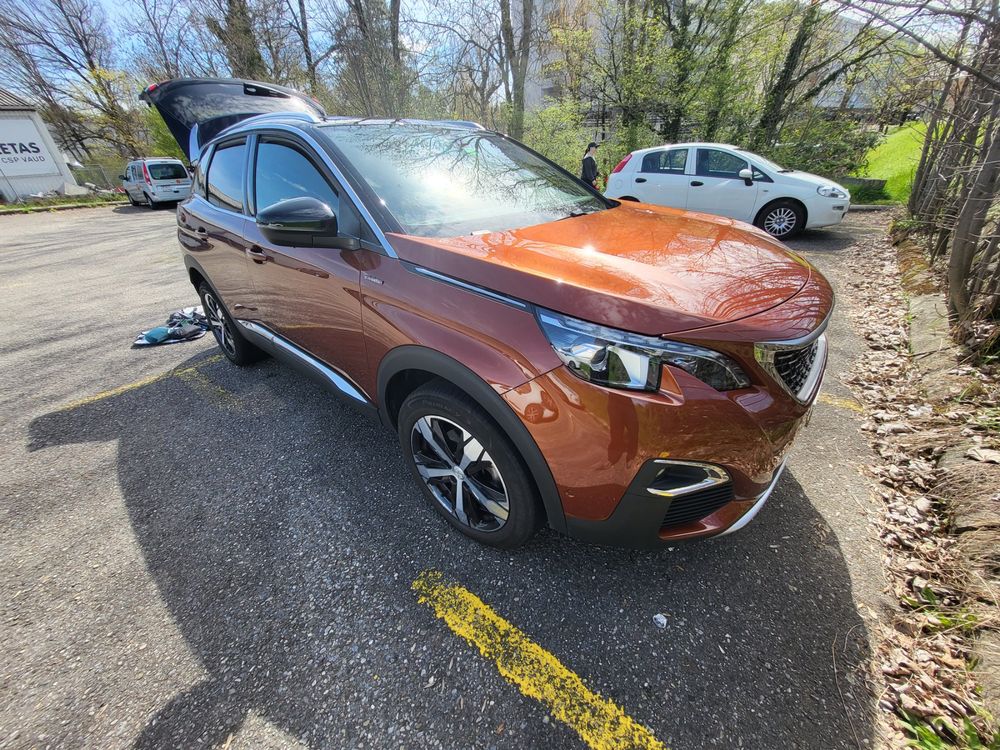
784, 199
196, 274
406, 368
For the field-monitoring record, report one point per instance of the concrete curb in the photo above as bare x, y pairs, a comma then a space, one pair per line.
59, 207
872, 207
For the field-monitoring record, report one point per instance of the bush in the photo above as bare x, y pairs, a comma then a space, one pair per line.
558, 132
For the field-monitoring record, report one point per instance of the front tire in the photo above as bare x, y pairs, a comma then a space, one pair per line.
467, 467
237, 349
782, 219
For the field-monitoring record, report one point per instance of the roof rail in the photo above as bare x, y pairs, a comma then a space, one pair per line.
304, 116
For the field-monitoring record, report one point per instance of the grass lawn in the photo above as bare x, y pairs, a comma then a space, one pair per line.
895, 160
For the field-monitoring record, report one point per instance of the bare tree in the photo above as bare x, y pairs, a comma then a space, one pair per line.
66, 46
824, 49
519, 37
956, 190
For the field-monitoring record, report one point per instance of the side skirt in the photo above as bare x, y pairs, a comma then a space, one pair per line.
307, 364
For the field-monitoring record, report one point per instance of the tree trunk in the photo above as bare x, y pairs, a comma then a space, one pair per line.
773, 111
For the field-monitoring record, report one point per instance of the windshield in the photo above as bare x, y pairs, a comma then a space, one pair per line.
440, 181
765, 163
167, 171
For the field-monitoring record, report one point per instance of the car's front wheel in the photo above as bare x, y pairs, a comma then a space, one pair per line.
467, 467
237, 349
782, 219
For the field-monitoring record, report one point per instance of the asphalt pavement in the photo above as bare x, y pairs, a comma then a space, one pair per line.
198, 555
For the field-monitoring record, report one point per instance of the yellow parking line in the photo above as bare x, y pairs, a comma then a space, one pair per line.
138, 384
843, 403
539, 675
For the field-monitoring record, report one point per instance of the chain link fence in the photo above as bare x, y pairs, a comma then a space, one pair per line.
103, 176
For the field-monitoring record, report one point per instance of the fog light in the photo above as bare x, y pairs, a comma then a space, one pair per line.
677, 478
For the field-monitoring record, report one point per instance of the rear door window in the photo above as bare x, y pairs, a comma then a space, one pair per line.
665, 162
225, 176
167, 171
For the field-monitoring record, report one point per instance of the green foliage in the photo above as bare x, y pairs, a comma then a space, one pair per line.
827, 147
895, 160
866, 194
161, 140
940, 734
558, 132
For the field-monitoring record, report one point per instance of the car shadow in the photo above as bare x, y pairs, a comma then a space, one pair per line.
831, 240
283, 532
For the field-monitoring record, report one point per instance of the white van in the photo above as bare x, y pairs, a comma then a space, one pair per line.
156, 180
717, 178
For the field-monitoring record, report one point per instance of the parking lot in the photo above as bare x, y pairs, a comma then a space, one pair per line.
197, 555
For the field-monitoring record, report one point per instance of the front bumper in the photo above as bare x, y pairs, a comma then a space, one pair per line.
603, 446
637, 521
827, 213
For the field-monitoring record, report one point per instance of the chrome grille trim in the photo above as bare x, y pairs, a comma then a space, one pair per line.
766, 352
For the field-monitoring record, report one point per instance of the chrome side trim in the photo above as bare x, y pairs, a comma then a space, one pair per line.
338, 381
482, 291
755, 508
714, 475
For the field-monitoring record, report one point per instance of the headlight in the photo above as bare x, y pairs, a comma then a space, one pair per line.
832, 191
618, 359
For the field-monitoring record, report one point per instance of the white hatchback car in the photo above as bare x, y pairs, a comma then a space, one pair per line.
725, 180
155, 181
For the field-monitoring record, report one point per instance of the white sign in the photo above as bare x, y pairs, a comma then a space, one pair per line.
22, 150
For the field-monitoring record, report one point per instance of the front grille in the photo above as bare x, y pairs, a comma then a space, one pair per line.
695, 506
795, 365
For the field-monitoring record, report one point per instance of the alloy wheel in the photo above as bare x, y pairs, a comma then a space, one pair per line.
460, 473
220, 326
780, 221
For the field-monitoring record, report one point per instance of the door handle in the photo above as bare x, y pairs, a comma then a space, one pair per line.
256, 254
640, 179
696, 183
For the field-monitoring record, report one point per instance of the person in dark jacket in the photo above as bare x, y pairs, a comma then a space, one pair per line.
589, 173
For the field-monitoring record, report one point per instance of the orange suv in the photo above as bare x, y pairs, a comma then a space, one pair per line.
622, 372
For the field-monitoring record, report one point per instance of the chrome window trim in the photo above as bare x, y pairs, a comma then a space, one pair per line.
475, 289
714, 475
337, 173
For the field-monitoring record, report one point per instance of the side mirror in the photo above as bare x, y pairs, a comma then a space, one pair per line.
746, 175
121, 177
303, 222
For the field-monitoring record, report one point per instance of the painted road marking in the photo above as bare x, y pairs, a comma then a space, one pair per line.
843, 403
538, 674
184, 371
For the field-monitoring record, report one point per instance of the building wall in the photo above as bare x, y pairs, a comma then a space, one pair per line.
30, 160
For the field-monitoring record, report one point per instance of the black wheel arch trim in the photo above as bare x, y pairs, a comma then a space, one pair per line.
412, 357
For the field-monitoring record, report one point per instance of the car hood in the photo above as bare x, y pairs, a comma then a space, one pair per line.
805, 178
637, 267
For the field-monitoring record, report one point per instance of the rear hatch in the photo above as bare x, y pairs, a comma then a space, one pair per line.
198, 109
168, 174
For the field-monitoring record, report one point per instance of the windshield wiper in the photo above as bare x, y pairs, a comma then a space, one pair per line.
574, 212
